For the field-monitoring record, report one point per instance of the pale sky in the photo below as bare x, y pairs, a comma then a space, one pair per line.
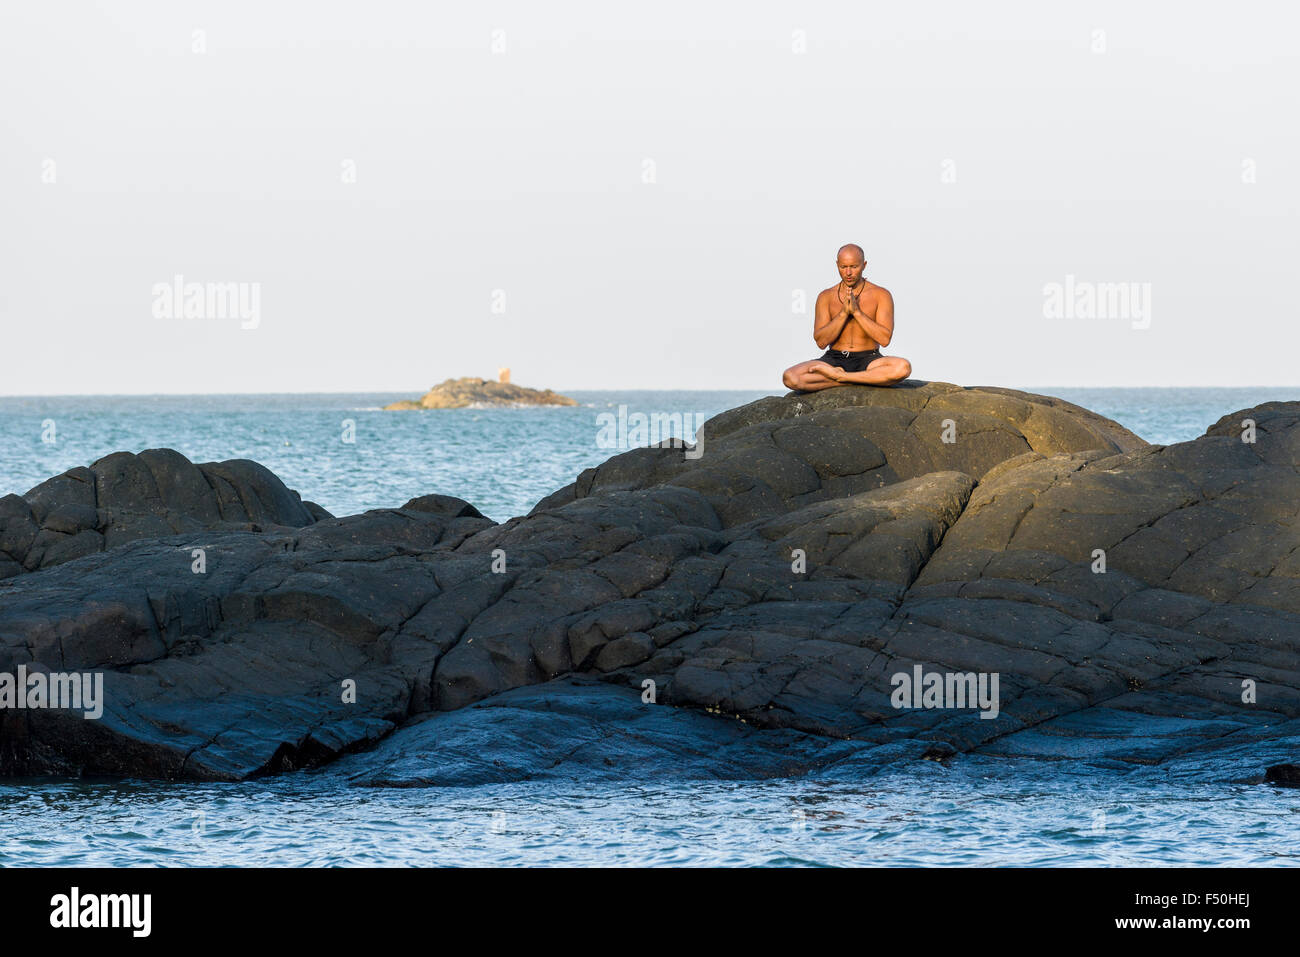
649, 186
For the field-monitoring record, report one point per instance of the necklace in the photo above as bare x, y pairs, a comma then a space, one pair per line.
845, 352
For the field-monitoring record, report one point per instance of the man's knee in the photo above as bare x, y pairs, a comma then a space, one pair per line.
904, 369
788, 379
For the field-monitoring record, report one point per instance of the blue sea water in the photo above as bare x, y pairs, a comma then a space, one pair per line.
973, 811
501, 460
977, 811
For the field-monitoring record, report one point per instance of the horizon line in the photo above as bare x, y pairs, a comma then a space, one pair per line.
1022, 388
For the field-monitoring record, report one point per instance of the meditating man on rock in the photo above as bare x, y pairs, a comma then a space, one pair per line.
863, 322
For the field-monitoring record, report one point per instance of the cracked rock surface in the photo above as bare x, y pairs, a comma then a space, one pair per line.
763, 588
124, 497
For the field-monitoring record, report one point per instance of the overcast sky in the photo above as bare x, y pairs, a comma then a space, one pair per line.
635, 195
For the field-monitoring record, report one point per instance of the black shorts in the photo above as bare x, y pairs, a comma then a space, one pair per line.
850, 361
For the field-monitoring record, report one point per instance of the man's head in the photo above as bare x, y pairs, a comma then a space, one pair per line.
850, 260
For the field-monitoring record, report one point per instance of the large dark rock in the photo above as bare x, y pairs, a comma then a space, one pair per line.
239, 669
1138, 603
124, 497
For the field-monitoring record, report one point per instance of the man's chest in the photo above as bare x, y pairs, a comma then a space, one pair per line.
837, 301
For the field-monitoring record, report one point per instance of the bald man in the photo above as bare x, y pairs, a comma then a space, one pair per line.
853, 319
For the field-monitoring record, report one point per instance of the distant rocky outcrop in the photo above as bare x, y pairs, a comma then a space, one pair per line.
472, 393
124, 497
1139, 603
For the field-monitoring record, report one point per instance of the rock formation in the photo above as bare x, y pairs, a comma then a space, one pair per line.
124, 497
476, 393
743, 613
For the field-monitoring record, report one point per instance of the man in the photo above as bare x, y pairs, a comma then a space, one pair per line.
852, 320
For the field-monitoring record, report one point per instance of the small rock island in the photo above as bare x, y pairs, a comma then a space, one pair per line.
471, 392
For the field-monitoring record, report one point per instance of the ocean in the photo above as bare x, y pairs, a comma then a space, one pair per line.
970, 811
501, 460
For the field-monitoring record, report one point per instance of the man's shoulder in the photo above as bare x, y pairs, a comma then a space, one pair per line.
878, 290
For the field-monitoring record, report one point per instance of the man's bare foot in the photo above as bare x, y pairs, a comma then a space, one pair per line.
826, 369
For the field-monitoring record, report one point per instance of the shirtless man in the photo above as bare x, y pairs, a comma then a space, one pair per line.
863, 321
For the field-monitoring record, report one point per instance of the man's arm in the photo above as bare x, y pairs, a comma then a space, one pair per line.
825, 329
881, 329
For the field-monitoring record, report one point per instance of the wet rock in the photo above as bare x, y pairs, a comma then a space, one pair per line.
1285, 774
578, 729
